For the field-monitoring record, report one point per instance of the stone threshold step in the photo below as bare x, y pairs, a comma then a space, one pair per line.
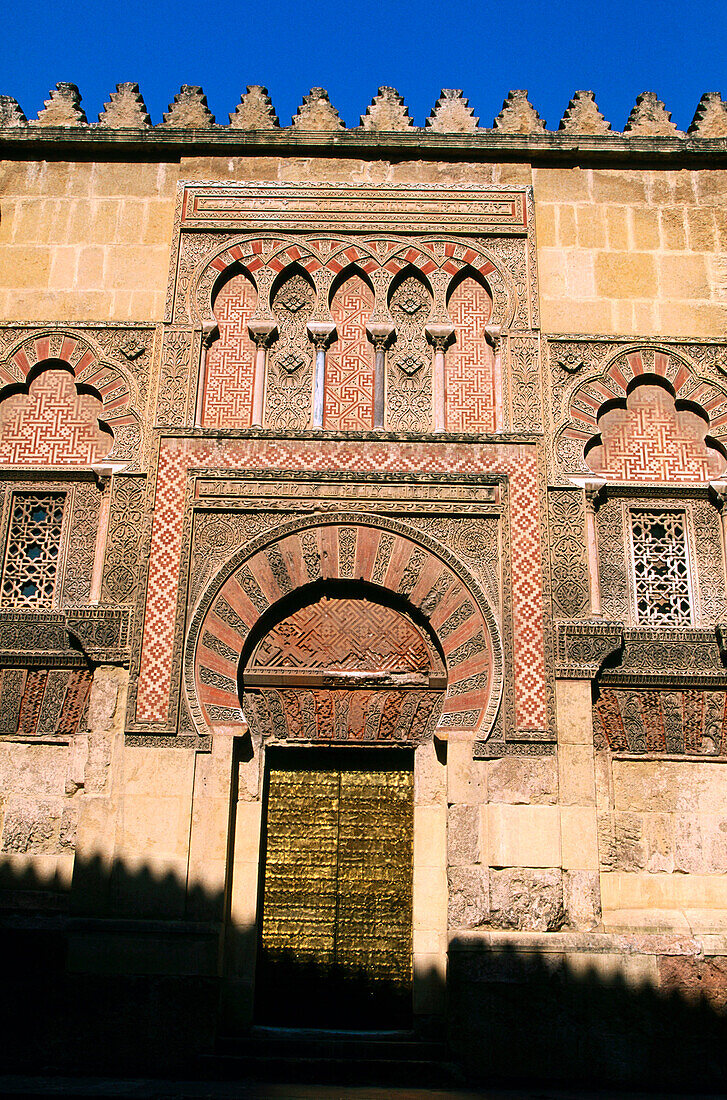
340, 1070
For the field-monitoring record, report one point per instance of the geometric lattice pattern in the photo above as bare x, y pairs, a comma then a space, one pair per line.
661, 568
350, 634
671, 721
178, 456
469, 362
649, 440
231, 359
31, 557
349, 391
52, 425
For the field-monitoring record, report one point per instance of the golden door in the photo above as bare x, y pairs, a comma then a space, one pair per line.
336, 930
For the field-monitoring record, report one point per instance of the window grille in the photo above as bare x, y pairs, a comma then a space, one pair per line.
31, 557
661, 568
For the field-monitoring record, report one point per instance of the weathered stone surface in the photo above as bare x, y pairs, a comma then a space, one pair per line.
518, 116
255, 111
527, 899
11, 113
316, 112
63, 107
189, 110
452, 114
710, 117
463, 827
650, 118
125, 109
31, 825
695, 979
36, 770
523, 779
582, 116
103, 699
620, 842
466, 778
658, 837
387, 111
582, 899
469, 905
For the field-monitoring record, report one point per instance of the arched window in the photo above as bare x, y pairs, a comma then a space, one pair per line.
227, 400
349, 390
470, 362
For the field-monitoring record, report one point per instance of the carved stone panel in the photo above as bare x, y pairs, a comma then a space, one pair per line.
289, 393
409, 366
679, 720
569, 565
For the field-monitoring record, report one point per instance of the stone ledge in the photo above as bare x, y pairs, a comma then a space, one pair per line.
596, 943
220, 140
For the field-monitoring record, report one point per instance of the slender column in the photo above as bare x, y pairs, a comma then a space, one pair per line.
379, 333
719, 488
593, 488
440, 336
210, 332
103, 476
321, 333
493, 335
262, 332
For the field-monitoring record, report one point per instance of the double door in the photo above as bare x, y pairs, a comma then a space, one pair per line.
335, 948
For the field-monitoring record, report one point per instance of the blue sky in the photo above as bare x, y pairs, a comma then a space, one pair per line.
617, 49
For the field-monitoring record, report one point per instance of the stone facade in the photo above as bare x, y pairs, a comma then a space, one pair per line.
379, 437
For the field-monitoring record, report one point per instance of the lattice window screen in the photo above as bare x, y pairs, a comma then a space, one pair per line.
31, 557
661, 568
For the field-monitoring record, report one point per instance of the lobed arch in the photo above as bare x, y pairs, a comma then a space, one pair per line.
389, 561
73, 351
623, 373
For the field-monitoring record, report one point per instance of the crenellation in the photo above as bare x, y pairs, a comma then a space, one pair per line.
11, 113
316, 112
582, 116
518, 116
650, 118
255, 111
387, 111
63, 107
710, 117
189, 110
126, 109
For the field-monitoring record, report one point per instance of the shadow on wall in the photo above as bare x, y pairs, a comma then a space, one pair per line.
128, 978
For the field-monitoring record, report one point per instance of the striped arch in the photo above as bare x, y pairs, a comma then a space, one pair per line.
115, 388
265, 257
382, 554
621, 373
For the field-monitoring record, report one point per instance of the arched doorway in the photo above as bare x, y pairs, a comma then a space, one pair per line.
344, 685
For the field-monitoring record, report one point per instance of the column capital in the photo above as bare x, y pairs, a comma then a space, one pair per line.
380, 333
593, 486
718, 490
439, 335
263, 331
210, 332
493, 336
321, 333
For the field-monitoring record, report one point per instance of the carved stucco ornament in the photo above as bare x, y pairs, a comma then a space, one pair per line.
583, 645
